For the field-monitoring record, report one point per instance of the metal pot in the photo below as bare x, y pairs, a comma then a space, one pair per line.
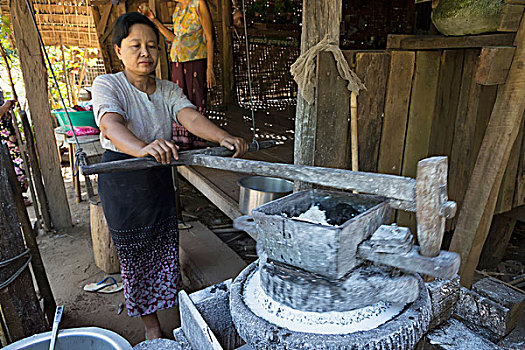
258, 190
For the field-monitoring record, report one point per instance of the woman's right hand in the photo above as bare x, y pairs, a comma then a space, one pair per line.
162, 150
145, 10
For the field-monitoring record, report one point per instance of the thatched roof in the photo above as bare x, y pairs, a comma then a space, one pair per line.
69, 22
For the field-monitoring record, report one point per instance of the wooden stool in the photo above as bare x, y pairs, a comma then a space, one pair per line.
103, 248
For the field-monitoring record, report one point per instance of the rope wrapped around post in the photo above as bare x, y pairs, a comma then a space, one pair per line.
303, 70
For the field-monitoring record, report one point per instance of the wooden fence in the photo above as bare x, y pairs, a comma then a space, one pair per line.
426, 102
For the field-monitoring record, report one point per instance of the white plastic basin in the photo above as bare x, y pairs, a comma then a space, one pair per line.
86, 338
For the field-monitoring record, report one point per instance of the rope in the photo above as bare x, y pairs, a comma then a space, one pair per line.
303, 70
83, 160
18, 272
249, 73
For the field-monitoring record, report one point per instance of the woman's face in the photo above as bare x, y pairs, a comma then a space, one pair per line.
139, 50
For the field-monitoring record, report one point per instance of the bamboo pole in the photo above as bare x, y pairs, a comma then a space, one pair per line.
353, 132
82, 73
64, 68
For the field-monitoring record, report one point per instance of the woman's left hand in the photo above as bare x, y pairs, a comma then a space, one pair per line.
210, 77
10, 103
235, 143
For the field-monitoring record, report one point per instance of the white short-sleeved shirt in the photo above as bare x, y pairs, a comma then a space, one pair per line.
148, 117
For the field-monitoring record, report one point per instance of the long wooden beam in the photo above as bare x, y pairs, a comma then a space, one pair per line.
149, 162
391, 186
434, 42
480, 200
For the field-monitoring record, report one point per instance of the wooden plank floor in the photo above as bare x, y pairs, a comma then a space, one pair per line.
220, 186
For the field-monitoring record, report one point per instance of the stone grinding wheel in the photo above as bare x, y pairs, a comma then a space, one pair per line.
365, 286
402, 332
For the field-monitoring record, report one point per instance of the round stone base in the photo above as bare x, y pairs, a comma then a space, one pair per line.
402, 332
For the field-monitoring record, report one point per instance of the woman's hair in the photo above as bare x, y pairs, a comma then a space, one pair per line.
124, 22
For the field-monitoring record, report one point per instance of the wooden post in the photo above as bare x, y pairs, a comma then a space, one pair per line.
37, 174
30, 239
333, 109
162, 70
104, 251
227, 53
35, 77
480, 199
320, 18
18, 300
497, 241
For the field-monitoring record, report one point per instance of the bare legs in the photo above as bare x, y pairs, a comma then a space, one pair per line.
152, 324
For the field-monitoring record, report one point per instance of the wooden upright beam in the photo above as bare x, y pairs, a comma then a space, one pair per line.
320, 18
227, 52
35, 80
480, 200
162, 70
18, 300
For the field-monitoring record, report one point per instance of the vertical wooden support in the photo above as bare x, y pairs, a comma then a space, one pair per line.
464, 128
498, 238
104, 252
162, 70
227, 53
35, 76
18, 300
37, 174
420, 115
372, 68
431, 194
39, 271
332, 114
449, 87
396, 112
480, 200
320, 18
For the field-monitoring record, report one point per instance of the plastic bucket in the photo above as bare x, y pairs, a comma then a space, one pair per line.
83, 118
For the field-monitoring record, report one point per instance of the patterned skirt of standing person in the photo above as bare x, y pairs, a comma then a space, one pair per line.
191, 78
140, 211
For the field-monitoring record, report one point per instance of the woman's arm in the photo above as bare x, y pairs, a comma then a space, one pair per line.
168, 34
113, 128
205, 18
6, 106
199, 125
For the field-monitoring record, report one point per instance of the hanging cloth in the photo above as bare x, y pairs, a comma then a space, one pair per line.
303, 70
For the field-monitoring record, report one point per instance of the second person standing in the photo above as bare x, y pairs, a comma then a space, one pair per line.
192, 58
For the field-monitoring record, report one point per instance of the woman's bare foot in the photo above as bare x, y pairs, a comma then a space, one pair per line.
152, 325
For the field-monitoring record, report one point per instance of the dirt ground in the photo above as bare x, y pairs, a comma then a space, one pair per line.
68, 259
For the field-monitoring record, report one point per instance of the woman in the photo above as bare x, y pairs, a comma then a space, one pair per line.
8, 136
134, 111
191, 56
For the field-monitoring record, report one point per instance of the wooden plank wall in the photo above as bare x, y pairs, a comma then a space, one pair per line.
422, 103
